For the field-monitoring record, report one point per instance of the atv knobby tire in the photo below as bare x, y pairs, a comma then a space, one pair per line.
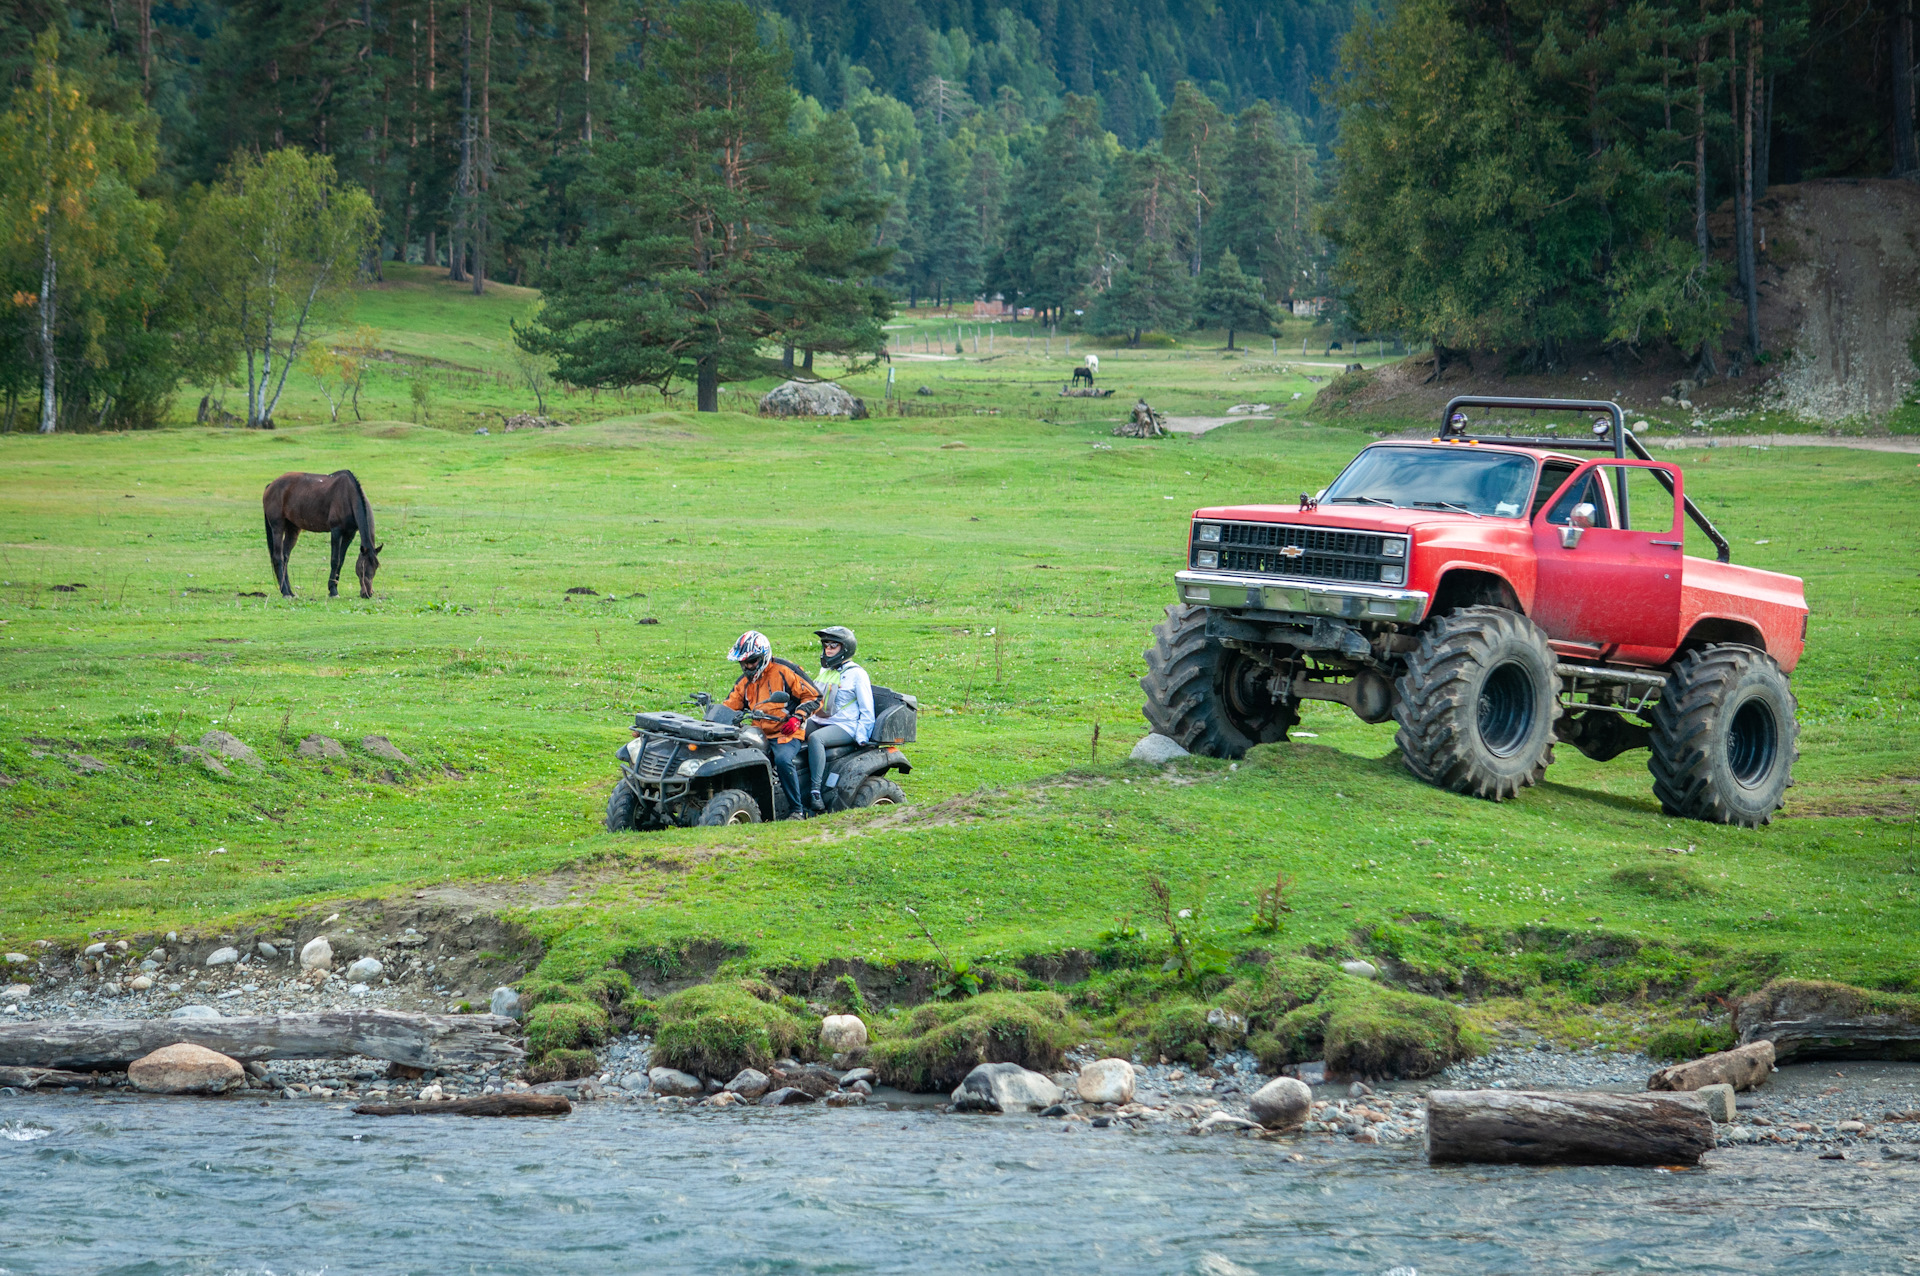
877, 791
1725, 737
1477, 703
730, 806
621, 808
1211, 699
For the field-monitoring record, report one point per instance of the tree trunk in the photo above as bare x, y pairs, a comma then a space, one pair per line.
484, 160
49, 298
1518, 1127
52, 1078
1906, 156
586, 74
1229, 338
707, 384
519, 1103
463, 180
807, 366
786, 357
1748, 267
1743, 1068
1705, 366
420, 1041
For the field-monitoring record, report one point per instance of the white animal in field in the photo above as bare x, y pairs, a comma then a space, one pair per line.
1093, 363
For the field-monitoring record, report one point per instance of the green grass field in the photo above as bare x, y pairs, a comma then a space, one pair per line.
1004, 567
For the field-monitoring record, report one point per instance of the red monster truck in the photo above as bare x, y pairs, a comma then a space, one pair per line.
1493, 596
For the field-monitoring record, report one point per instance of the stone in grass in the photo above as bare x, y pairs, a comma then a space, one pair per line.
1157, 749
1004, 1087
1107, 1081
185, 1069
320, 746
1360, 969
223, 956
674, 1081
230, 746
750, 1084
1719, 1099
1281, 1104
381, 747
366, 970
506, 1002
811, 398
205, 759
842, 1034
317, 955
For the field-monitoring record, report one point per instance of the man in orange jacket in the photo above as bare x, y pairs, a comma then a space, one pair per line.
761, 675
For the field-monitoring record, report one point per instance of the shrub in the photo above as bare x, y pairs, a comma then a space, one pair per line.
941, 1042
1690, 1039
717, 1029
1361, 1028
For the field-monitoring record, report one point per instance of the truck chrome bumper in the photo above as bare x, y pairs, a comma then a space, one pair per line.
1261, 593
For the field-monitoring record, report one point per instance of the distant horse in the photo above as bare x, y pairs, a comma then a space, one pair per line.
1083, 374
333, 503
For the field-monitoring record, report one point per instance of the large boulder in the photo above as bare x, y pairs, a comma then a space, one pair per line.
1004, 1087
185, 1069
317, 955
1813, 1019
1742, 1067
750, 1084
674, 1081
1281, 1104
811, 398
842, 1034
1107, 1081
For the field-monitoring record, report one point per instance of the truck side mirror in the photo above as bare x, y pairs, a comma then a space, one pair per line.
1582, 515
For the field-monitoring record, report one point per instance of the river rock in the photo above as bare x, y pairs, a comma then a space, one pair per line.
185, 1069
1281, 1104
1219, 1017
266, 950
673, 1081
140, 983
1720, 1103
1156, 749
320, 746
635, 1083
751, 1083
16, 959
1813, 1019
857, 1075
223, 956
1742, 1067
1004, 1087
842, 1034
814, 1079
230, 746
1107, 1081
317, 955
784, 1095
811, 398
381, 747
365, 970
193, 1012
93, 950
505, 1002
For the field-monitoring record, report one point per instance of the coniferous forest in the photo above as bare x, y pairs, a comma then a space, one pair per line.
706, 191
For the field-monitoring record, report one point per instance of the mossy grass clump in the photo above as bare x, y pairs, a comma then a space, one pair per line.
847, 999
576, 1016
1360, 1028
563, 1065
717, 1029
1661, 881
565, 1025
936, 1045
1690, 1039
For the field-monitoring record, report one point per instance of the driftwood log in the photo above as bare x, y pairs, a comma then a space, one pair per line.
1742, 1067
31, 1078
520, 1103
421, 1041
1812, 1019
1521, 1127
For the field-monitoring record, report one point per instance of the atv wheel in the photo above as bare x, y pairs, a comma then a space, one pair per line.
730, 806
878, 791
1725, 737
621, 809
1477, 703
1211, 699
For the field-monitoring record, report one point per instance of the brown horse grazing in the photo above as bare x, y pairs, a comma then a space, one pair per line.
320, 503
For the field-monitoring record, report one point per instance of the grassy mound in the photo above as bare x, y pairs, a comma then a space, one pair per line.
717, 1029
1360, 1028
1690, 1039
564, 1021
937, 1044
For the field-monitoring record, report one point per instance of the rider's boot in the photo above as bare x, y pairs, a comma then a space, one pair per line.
816, 803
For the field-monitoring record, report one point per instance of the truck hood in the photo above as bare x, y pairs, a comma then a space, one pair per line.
1368, 518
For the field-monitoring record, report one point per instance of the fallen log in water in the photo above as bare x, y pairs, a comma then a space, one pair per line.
421, 1041
1524, 1127
521, 1103
1743, 1068
30, 1078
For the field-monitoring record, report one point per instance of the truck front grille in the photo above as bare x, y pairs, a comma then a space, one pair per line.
1317, 553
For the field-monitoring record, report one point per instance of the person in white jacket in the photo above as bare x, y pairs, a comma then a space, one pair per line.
845, 715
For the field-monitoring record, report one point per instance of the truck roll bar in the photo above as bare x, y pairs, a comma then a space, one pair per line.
1619, 441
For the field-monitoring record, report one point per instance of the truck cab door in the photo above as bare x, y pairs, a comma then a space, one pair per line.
1617, 583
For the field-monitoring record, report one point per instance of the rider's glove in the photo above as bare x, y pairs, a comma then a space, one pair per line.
790, 725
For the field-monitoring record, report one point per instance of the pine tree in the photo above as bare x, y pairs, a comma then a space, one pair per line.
1195, 134
1231, 299
1054, 223
1267, 203
1150, 292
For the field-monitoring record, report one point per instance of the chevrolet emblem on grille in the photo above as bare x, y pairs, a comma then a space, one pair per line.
1291, 551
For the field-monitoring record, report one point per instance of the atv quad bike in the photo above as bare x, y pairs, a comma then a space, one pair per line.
1493, 595
680, 771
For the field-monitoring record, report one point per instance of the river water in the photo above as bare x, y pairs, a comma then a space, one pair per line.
128, 1184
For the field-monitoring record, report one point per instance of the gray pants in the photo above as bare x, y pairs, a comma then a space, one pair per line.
819, 740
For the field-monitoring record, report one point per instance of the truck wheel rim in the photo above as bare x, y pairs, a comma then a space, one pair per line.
1506, 709
1753, 738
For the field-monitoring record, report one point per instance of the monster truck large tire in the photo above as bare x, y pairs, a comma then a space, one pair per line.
1477, 703
1725, 737
1211, 699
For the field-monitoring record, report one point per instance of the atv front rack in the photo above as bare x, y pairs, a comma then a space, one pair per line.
1619, 441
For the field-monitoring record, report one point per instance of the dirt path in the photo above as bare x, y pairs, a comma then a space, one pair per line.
1789, 440
1201, 424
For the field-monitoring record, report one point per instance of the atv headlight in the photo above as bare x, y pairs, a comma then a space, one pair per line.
1392, 574
1206, 558
690, 766
1393, 547
1210, 533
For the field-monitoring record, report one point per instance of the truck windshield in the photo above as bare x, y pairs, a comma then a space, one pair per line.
1494, 484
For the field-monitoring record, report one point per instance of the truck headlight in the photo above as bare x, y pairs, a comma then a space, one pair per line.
1393, 547
1210, 533
1393, 574
1206, 558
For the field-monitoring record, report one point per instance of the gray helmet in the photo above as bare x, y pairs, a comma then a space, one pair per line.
842, 635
